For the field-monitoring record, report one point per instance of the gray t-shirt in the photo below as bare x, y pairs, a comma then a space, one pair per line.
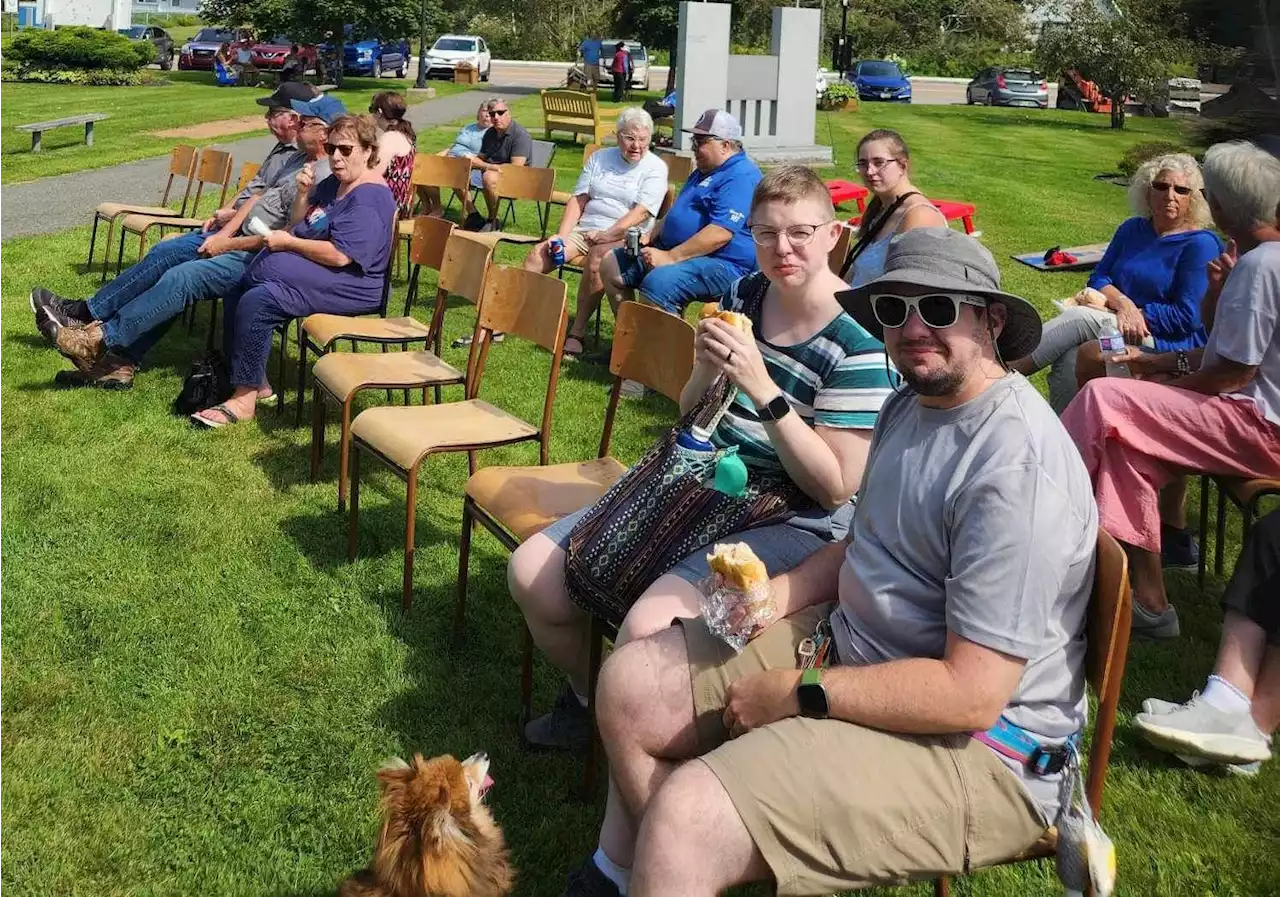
1246, 326
276, 202
978, 520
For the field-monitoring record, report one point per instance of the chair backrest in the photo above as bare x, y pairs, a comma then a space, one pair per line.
543, 152
182, 164
531, 306
590, 150
526, 182
462, 273
430, 170
426, 249
838, 253
651, 347
214, 168
678, 167
248, 171
1109, 616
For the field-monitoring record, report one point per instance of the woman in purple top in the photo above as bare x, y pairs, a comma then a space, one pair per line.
333, 260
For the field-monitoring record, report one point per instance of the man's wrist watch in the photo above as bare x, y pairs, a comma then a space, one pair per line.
777, 408
811, 695
1184, 362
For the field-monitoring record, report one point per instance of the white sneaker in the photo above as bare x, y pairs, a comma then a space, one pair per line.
1199, 729
633, 389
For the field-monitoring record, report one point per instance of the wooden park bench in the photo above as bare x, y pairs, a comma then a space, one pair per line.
572, 111
38, 128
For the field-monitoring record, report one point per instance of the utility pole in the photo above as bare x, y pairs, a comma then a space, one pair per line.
421, 81
841, 60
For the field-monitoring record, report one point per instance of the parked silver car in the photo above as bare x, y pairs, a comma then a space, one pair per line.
1001, 85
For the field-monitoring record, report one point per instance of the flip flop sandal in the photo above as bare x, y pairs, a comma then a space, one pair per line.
226, 412
569, 353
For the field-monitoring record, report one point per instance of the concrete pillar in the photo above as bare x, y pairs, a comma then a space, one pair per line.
795, 42
702, 75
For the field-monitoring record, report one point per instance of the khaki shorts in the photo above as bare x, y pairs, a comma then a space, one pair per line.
575, 248
833, 805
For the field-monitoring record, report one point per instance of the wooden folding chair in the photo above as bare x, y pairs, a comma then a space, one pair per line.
1109, 616
320, 332
452, 172
521, 182
840, 252
215, 169
1247, 496
514, 301
513, 503
182, 164
678, 167
341, 376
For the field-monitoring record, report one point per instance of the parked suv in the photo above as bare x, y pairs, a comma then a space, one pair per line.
451, 49
269, 55
198, 53
158, 37
1000, 85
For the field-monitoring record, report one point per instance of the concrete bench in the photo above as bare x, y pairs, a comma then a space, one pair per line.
572, 111
38, 128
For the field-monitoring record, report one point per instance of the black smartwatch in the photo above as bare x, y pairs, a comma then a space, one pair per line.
777, 409
811, 694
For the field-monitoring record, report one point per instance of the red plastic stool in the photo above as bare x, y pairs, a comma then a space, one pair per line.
951, 210
843, 191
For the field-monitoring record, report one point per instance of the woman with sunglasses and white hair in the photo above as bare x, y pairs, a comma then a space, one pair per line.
1148, 285
332, 260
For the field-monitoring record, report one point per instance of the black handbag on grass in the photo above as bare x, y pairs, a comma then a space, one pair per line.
208, 383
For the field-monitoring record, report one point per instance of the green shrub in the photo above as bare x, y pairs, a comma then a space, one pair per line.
80, 77
1135, 155
78, 48
836, 92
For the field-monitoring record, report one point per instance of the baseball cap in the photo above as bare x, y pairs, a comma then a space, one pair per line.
286, 93
325, 108
716, 123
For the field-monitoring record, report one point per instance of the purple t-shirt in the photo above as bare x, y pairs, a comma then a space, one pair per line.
359, 224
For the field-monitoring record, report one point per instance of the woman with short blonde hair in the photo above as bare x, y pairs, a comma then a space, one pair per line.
1149, 283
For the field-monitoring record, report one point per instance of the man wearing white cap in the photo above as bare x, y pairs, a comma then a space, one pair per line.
702, 245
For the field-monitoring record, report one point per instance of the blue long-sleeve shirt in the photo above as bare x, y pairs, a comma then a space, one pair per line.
1164, 276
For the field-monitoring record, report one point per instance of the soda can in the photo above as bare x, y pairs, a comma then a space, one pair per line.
633, 242
557, 251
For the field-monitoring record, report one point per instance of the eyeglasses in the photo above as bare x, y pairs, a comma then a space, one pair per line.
868, 164
700, 139
1163, 187
497, 113
938, 310
797, 234
345, 148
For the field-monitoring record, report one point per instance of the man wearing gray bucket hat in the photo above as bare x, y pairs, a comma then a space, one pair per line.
952, 621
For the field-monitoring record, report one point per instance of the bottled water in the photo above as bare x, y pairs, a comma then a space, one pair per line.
1111, 342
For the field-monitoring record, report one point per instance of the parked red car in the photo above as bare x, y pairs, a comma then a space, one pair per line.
270, 54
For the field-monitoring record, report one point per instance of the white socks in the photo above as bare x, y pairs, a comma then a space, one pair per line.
1222, 695
612, 871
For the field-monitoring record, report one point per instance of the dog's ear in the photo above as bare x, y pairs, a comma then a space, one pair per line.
394, 771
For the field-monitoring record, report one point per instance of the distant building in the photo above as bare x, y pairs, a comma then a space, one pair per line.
142, 8
111, 14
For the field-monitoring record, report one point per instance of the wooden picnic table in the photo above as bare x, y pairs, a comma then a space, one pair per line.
38, 128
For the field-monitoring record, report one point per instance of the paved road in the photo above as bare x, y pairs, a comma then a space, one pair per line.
53, 204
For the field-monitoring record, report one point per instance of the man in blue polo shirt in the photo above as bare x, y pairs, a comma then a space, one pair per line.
702, 246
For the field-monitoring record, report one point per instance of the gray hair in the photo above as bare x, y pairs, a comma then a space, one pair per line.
1178, 163
1244, 183
633, 118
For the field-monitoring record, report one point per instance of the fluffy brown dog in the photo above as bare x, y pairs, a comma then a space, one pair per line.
437, 838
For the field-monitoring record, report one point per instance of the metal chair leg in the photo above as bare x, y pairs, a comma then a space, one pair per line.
302, 375
353, 518
1206, 485
93, 238
317, 432
942, 887
526, 681
344, 451
410, 518
211, 340
464, 558
593, 743
1221, 531
284, 351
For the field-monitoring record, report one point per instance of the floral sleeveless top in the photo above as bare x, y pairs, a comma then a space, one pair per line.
399, 178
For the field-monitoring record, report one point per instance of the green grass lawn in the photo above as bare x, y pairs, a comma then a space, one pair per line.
198, 687
190, 98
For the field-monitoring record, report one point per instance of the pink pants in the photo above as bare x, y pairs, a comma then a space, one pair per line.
1136, 436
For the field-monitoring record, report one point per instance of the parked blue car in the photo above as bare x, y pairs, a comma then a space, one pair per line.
374, 56
880, 80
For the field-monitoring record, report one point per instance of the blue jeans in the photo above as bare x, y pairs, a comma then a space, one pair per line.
138, 306
672, 287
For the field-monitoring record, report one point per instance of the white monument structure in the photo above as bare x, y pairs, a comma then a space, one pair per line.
771, 96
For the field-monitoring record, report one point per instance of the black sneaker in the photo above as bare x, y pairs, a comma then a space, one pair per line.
1178, 549
474, 222
588, 881
566, 728
53, 313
